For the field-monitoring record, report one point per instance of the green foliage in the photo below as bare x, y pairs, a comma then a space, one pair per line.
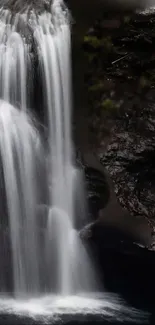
144, 82
97, 86
107, 43
108, 105
90, 56
127, 19
93, 41
151, 76
97, 43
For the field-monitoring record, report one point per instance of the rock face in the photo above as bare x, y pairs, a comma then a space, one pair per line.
120, 83
121, 92
97, 185
109, 213
130, 162
80, 8
122, 265
21, 5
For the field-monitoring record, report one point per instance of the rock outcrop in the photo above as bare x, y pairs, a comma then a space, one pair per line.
109, 213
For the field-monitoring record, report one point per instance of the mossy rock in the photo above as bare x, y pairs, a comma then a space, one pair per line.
144, 82
151, 77
93, 41
126, 19
108, 105
107, 44
90, 56
96, 43
97, 87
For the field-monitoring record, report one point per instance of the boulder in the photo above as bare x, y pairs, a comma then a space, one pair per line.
123, 266
113, 214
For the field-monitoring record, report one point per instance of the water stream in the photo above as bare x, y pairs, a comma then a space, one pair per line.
52, 259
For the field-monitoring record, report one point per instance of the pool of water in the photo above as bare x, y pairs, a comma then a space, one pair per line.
80, 309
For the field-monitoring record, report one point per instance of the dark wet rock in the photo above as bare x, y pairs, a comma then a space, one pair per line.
86, 232
96, 185
121, 236
6, 275
130, 162
112, 214
124, 266
126, 109
98, 189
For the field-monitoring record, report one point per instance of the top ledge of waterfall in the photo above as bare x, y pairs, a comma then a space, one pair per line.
24, 16
38, 6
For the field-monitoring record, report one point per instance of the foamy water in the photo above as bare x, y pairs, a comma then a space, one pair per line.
52, 308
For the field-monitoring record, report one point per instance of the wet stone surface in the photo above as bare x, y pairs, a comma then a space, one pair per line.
121, 94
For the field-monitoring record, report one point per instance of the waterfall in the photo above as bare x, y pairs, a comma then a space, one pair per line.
14, 57
51, 258
19, 148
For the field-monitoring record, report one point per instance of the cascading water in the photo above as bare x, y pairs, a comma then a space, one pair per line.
20, 149
53, 40
52, 258
14, 58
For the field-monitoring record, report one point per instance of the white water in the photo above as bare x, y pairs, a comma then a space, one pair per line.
14, 58
52, 259
58, 309
73, 268
20, 149
54, 54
